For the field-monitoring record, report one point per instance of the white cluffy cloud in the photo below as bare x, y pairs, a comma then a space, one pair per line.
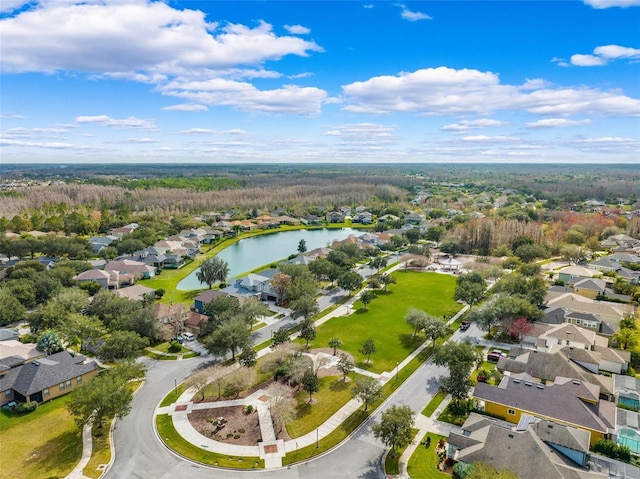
186, 107
466, 125
446, 91
411, 15
612, 3
556, 123
604, 54
152, 42
131, 122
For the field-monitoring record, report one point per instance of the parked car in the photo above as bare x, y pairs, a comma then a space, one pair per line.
464, 325
188, 336
495, 355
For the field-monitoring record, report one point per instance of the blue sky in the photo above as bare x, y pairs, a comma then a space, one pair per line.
305, 81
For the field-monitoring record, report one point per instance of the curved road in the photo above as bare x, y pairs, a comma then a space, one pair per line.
140, 454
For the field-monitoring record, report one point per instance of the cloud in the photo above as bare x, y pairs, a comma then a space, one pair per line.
368, 6
209, 131
446, 91
604, 54
186, 107
473, 124
561, 62
7, 6
364, 134
556, 123
138, 140
151, 42
4, 116
599, 4
490, 139
131, 122
46, 145
33, 131
411, 16
300, 75
297, 29
289, 99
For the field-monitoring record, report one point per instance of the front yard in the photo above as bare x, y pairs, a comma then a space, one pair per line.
40, 445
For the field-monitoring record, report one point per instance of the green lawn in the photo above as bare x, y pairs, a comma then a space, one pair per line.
392, 459
434, 403
333, 394
43, 444
384, 321
164, 348
424, 461
175, 441
101, 450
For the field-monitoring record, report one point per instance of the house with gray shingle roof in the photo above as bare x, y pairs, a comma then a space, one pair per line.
46, 378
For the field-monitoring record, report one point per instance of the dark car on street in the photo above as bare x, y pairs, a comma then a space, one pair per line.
464, 325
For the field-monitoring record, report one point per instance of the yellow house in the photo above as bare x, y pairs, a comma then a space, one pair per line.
567, 401
589, 287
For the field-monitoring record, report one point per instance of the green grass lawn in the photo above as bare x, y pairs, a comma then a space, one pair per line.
434, 403
43, 444
392, 459
100, 450
384, 321
175, 441
424, 461
333, 394
164, 348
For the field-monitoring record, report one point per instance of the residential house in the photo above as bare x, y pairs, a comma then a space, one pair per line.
14, 353
546, 367
45, 378
9, 334
172, 319
125, 230
414, 218
136, 269
135, 293
98, 243
196, 322
589, 287
568, 401
535, 448
204, 297
363, 217
106, 279
334, 217
173, 261
626, 390
258, 283
311, 220
575, 272
606, 310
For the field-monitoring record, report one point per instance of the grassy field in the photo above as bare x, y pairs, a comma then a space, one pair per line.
175, 441
434, 403
101, 450
384, 321
423, 462
333, 394
43, 444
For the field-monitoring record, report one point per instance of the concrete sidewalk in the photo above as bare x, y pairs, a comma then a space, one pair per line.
87, 445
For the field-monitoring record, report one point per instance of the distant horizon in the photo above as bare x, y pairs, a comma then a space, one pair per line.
315, 82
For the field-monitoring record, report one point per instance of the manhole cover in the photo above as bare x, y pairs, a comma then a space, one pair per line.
271, 449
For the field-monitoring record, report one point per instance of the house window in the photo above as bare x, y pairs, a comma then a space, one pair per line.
7, 393
578, 321
69, 383
78, 379
46, 392
61, 386
511, 412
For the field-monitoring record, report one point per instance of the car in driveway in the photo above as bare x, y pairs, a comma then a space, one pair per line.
495, 355
464, 325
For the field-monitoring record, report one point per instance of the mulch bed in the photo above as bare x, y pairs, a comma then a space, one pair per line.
241, 429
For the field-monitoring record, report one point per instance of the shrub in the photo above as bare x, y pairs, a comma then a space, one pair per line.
175, 347
26, 407
611, 449
248, 409
241, 431
159, 293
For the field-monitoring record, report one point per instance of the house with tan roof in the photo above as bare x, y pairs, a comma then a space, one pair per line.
575, 272
106, 279
136, 269
608, 311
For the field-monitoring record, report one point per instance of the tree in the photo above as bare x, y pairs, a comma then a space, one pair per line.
280, 336
366, 298
386, 280
394, 428
345, 366
305, 306
83, 329
367, 390
310, 382
520, 328
470, 288
627, 338
248, 357
368, 348
335, 343
49, 342
302, 246
11, 310
106, 395
308, 331
280, 283
416, 319
378, 263
350, 281
212, 270
459, 358
232, 335
122, 345
320, 268
220, 310
435, 329
281, 404
503, 309
199, 380
251, 309
237, 381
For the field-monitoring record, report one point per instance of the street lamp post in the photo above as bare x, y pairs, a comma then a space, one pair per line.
317, 438
397, 366
175, 386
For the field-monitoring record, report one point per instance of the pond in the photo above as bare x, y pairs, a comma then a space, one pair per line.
250, 253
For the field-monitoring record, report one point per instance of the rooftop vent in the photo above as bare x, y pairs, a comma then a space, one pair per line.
539, 386
527, 384
517, 381
36, 363
575, 381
